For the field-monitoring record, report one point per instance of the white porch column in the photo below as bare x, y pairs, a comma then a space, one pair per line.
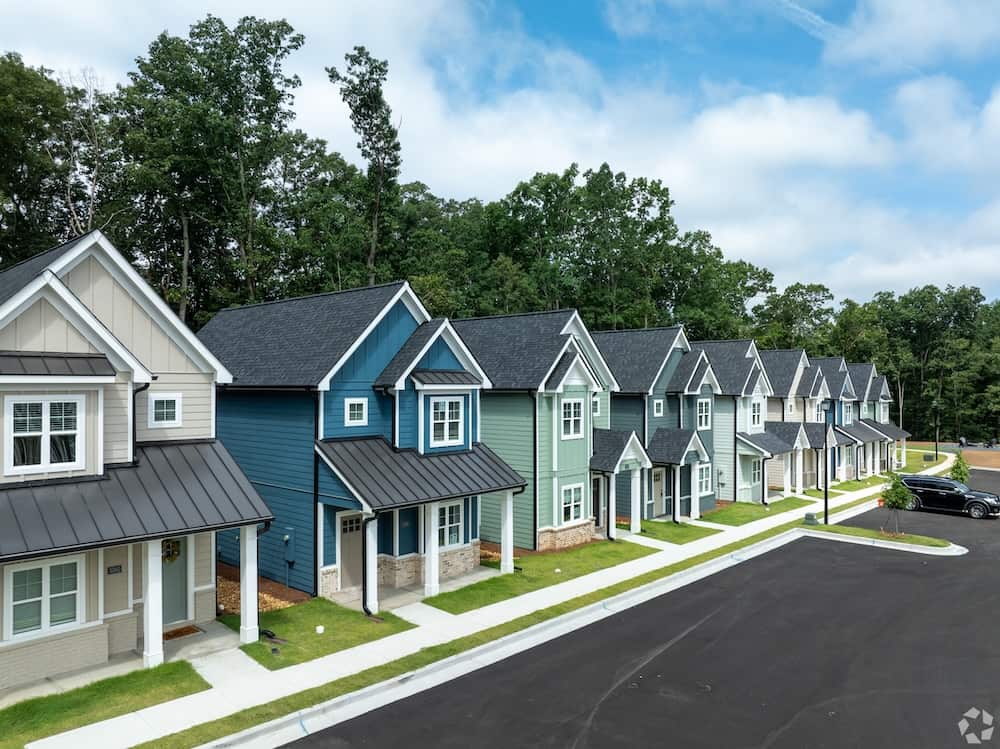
636, 519
249, 630
799, 471
371, 565
507, 533
152, 604
695, 492
612, 519
677, 494
786, 462
902, 454
432, 561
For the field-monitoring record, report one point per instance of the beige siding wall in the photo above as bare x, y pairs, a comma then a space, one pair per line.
42, 328
116, 585
773, 409
203, 559
196, 407
116, 419
89, 431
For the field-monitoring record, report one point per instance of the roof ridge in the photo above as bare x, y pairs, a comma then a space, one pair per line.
311, 296
638, 330
516, 314
724, 340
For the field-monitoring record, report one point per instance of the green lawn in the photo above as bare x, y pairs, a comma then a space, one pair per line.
818, 493
740, 513
866, 483
915, 461
539, 571
46, 716
674, 533
904, 538
344, 628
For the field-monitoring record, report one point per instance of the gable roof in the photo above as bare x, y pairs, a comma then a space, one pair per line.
517, 352
811, 382
735, 367
781, 366
788, 432
880, 389
17, 276
862, 375
611, 446
889, 429
765, 443
637, 356
297, 342
671, 446
837, 378
408, 352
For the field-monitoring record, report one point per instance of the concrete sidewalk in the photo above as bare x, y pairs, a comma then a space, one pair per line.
238, 682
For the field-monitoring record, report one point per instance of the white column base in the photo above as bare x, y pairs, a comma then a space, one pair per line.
786, 490
799, 473
507, 533
695, 492
677, 494
249, 629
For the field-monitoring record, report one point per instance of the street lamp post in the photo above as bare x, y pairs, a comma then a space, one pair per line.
937, 425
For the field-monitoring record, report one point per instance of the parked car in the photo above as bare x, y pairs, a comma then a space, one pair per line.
936, 493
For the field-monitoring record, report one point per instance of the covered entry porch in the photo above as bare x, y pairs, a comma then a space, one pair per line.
682, 475
618, 469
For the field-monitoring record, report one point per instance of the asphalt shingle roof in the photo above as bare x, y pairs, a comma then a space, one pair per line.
781, 366
786, 431
408, 352
636, 356
815, 434
861, 377
172, 488
385, 477
767, 442
516, 351
294, 342
888, 429
835, 377
609, 444
881, 384
565, 362
860, 432
17, 276
730, 363
669, 446
685, 371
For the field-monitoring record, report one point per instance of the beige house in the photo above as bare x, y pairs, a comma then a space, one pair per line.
113, 484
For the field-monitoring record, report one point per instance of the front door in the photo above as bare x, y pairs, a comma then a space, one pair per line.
350, 552
174, 553
597, 500
659, 501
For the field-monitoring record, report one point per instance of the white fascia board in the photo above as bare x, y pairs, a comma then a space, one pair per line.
696, 443
147, 298
634, 448
364, 505
413, 304
594, 352
578, 365
714, 381
464, 354
681, 341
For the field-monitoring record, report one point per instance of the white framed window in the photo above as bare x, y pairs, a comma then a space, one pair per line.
704, 413
450, 524
755, 413
355, 412
756, 471
572, 419
819, 411
572, 502
447, 422
595, 405
848, 413
165, 410
658, 407
704, 478
43, 433
40, 597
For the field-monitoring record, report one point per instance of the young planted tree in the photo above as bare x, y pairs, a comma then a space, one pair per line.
960, 468
897, 497
361, 89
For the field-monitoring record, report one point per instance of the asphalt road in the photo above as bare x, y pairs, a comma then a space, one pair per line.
818, 644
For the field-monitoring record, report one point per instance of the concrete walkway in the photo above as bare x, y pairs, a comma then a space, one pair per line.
238, 682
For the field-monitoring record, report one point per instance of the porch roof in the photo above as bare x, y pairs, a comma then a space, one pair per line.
765, 443
861, 432
173, 488
49, 364
889, 429
612, 446
671, 446
383, 477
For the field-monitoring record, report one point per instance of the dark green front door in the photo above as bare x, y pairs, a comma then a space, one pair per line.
175, 580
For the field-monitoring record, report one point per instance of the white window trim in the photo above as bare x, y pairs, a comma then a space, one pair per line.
756, 412
348, 402
570, 488
563, 419
46, 630
81, 434
461, 422
658, 407
698, 414
595, 405
707, 467
178, 398
443, 529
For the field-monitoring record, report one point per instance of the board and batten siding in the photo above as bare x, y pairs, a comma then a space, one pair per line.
723, 447
507, 426
41, 327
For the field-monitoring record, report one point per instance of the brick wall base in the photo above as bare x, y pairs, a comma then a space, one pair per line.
550, 539
49, 656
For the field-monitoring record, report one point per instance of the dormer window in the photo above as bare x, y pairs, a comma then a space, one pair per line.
447, 421
819, 411
864, 410
595, 405
43, 433
164, 410
884, 412
704, 413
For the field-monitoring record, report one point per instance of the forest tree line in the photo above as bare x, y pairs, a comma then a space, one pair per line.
193, 168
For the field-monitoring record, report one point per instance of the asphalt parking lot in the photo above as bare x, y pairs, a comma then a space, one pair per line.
818, 644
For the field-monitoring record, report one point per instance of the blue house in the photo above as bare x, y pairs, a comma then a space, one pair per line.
356, 416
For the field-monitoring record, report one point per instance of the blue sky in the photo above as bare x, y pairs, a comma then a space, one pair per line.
854, 144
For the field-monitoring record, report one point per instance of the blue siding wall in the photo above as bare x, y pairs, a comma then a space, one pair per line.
440, 356
270, 435
355, 378
409, 531
329, 535
407, 417
626, 413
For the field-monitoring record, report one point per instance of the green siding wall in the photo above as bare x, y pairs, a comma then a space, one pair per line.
507, 429
574, 455
723, 446
603, 420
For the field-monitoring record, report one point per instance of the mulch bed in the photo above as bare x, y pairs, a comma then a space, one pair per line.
271, 595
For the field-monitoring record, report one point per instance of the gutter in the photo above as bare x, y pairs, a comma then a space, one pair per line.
534, 466
135, 418
317, 562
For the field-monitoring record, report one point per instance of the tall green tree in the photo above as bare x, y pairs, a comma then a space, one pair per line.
800, 316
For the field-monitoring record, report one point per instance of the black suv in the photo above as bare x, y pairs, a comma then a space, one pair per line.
937, 493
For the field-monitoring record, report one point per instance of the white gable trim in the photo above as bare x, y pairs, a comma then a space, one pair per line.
555, 362
757, 449
695, 443
146, 297
666, 358
714, 381
576, 327
413, 304
633, 450
458, 347
364, 505
579, 366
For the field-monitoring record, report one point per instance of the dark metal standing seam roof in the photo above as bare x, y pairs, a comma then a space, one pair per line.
294, 342
636, 356
669, 446
174, 488
55, 364
17, 276
445, 377
609, 444
766, 442
408, 352
730, 363
516, 351
781, 366
385, 478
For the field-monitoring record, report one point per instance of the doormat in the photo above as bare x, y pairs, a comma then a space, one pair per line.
176, 634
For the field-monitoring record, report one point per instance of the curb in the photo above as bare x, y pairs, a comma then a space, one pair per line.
952, 550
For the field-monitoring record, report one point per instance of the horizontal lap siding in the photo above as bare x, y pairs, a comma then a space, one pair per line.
723, 447
507, 430
196, 407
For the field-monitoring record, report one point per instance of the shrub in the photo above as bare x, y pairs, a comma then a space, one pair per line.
960, 469
896, 498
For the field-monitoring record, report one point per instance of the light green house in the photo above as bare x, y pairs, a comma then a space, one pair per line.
550, 392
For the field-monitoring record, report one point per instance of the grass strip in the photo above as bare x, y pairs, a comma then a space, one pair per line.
39, 717
903, 538
674, 533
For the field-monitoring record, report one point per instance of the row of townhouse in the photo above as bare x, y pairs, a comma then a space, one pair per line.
351, 446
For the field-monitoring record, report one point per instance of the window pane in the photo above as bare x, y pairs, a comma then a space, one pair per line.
453, 535
62, 578
62, 448
454, 514
454, 409
62, 609
28, 451
27, 617
165, 410
439, 432
62, 416
439, 410
27, 584
27, 417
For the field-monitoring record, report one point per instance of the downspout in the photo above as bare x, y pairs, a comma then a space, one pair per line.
736, 452
609, 518
317, 563
135, 419
364, 562
534, 465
